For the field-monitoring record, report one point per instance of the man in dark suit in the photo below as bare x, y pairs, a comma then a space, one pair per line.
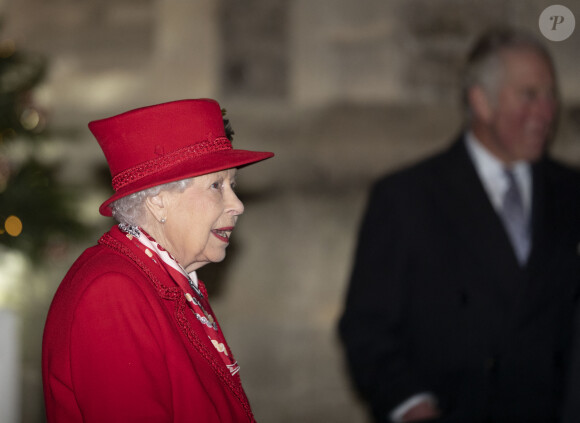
466, 272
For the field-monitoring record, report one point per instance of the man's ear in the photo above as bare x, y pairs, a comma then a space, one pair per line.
480, 103
157, 205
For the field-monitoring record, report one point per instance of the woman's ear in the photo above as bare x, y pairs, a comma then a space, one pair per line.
480, 103
157, 206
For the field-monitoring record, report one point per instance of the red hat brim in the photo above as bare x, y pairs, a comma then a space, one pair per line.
196, 166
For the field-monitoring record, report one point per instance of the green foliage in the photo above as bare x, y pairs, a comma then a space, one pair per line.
29, 189
43, 205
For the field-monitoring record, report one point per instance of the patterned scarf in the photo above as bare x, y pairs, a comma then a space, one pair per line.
193, 289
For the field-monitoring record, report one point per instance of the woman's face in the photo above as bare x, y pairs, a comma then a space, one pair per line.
200, 220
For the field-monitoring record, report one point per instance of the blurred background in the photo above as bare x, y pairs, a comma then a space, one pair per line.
341, 90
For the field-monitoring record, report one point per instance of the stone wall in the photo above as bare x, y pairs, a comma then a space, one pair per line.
303, 53
406, 51
255, 36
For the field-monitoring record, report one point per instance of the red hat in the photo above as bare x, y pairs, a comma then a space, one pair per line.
164, 143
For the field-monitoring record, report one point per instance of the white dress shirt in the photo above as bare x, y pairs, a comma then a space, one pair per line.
491, 173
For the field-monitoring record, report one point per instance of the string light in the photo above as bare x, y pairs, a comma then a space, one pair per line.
13, 226
30, 119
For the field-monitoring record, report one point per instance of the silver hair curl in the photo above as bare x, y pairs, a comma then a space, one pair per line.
485, 65
130, 210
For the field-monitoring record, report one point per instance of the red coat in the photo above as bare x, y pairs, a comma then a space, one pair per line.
121, 345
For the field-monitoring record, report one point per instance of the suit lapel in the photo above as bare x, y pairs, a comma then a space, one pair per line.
474, 221
543, 238
540, 215
462, 197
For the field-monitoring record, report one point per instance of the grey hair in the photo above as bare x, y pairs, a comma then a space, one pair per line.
130, 210
484, 66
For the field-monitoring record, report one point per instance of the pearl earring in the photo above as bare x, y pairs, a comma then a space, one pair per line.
162, 220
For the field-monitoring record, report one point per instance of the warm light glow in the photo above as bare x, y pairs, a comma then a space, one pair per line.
30, 119
13, 226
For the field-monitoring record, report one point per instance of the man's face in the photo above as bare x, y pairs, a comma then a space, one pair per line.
521, 118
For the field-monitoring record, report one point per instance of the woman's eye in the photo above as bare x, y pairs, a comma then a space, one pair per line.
216, 185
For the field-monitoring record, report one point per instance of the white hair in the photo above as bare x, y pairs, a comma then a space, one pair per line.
485, 65
130, 209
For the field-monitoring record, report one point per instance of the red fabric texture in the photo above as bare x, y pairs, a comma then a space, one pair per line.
121, 345
166, 142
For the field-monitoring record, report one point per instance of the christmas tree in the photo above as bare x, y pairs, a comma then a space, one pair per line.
35, 212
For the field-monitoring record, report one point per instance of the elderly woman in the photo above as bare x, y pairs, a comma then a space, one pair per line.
130, 335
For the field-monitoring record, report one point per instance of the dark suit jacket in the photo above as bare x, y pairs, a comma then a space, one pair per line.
437, 302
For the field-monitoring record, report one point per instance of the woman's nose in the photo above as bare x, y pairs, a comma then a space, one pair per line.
235, 206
